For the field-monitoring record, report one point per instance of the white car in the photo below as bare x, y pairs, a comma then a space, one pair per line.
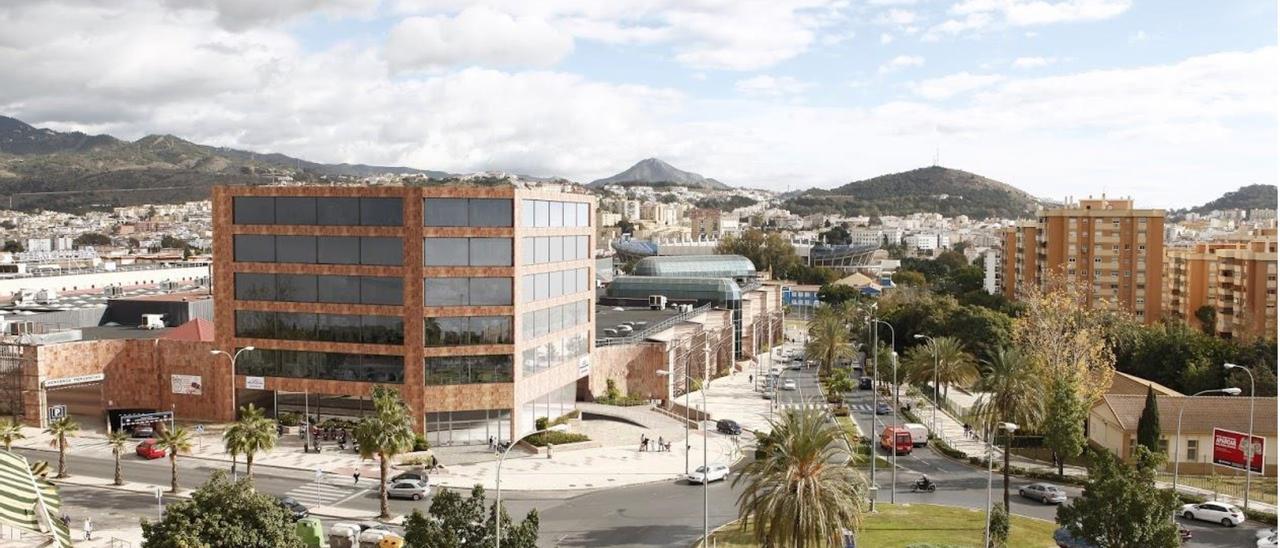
701, 475
1218, 512
1267, 542
788, 384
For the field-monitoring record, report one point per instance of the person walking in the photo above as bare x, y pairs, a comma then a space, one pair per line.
88, 529
644, 443
661, 443
356, 475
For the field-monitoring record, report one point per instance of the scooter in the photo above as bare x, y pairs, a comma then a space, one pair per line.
925, 485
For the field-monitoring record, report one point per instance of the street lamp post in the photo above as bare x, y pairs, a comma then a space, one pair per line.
875, 375
497, 506
1248, 455
706, 495
233, 358
1177, 435
934, 345
1010, 428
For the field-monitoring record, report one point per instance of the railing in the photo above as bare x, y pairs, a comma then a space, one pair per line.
652, 329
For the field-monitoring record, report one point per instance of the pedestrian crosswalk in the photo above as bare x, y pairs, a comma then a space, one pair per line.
316, 494
860, 407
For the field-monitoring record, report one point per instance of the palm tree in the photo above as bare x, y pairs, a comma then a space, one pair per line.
258, 436
10, 431
386, 433
955, 365
117, 439
174, 441
839, 384
1014, 392
233, 442
61, 429
796, 495
828, 340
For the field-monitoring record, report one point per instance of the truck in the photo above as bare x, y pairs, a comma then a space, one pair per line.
896, 438
919, 433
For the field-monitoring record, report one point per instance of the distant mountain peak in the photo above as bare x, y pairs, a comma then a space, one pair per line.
1255, 196
933, 188
654, 171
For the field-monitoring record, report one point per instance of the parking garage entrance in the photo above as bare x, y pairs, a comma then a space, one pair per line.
79, 397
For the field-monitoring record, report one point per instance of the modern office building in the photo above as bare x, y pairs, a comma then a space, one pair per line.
1235, 278
1114, 252
474, 301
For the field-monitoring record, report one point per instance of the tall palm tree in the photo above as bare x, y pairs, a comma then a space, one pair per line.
839, 384
62, 429
955, 365
796, 495
386, 433
1014, 392
117, 439
10, 431
828, 340
233, 442
259, 435
174, 441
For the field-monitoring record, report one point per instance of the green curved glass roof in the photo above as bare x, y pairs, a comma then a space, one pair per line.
696, 266
719, 290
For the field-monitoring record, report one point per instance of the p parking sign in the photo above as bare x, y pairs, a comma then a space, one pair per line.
57, 412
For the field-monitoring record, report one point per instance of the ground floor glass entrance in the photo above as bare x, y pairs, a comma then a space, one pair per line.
468, 427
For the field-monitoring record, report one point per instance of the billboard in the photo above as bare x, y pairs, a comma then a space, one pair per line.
1229, 449
185, 384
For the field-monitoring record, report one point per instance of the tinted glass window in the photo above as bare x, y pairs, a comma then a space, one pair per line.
445, 251
298, 288
382, 329
489, 212
253, 210
338, 328
446, 331
527, 289
557, 214
338, 250
526, 213
295, 210
540, 214
381, 290
444, 212
295, 249
570, 244
298, 326
381, 251
491, 251
584, 247
255, 324
557, 284
490, 291
468, 369
555, 249
491, 330
338, 211
541, 250
338, 289
527, 251
254, 248
541, 286
570, 214
255, 287
381, 212
444, 291
584, 215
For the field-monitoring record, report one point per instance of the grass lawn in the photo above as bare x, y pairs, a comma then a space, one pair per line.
896, 526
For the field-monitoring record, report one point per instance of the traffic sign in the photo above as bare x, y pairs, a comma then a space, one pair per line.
199, 428
145, 418
56, 412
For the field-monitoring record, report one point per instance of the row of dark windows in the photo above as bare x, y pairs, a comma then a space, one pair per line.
466, 291
321, 365
466, 212
469, 369
467, 330
466, 251
307, 326
312, 288
366, 250
332, 211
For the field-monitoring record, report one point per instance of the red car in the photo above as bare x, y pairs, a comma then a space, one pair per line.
148, 450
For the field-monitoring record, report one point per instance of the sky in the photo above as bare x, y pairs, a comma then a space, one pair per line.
1172, 102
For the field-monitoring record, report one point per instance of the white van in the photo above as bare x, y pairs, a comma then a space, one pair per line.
919, 433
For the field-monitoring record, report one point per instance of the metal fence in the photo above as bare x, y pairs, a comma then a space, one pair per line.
652, 329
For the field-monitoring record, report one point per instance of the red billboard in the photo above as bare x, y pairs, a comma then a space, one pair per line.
1229, 449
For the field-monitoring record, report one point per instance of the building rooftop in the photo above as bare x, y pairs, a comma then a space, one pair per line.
609, 317
701, 266
109, 332
717, 290
1202, 415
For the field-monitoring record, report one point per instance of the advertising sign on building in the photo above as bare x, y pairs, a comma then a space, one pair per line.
1230, 447
188, 385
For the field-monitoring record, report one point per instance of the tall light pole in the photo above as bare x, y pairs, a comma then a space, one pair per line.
893, 473
934, 345
706, 494
1177, 435
1248, 455
1010, 428
874, 324
233, 358
497, 505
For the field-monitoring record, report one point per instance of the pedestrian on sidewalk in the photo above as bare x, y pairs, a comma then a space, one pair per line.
492, 446
967, 431
88, 529
661, 443
644, 443
751, 380
356, 475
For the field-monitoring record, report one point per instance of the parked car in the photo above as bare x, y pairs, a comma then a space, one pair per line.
1267, 542
789, 384
864, 383
1264, 533
142, 431
896, 437
148, 450
1064, 539
295, 509
883, 408
413, 475
1045, 493
407, 489
702, 475
726, 426
797, 365
919, 433
1218, 512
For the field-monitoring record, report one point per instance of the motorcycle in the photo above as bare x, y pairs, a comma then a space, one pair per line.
924, 485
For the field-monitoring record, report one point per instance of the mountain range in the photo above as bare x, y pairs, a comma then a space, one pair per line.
657, 173
937, 189
1246, 197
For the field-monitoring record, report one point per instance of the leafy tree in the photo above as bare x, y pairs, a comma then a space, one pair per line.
1064, 420
1121, 506
253, 433
458, 522
951, 260
91, 238
170, 242
909, 277
13, 246
1149, 423
828, 340
840, 384
8, 225
768, 252
797, 495
668, 198
1064, 338
62, 429
835, 294
980, 330
117, 440
954, 364
837, 235
222, 514
626, 227
385, 434
174, 441
818, 275
10, 431
1015, 393
999, 526
1208, 319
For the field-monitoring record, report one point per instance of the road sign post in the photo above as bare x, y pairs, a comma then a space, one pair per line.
159, 506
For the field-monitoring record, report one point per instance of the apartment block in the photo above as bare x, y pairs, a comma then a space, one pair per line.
1113, 251
475, 302
1235, 278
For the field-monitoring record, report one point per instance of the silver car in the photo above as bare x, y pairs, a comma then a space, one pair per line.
407, 489
1046, 493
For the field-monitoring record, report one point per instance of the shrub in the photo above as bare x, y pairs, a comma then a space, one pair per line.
419, 460
840, 411
289, 418
420, 443
611, 390
556, 438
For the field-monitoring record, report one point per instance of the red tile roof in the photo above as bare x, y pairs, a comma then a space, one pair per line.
199, 329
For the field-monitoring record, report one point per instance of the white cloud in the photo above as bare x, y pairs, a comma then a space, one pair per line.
1033, 62
953, 84
980, 15
238, 15
885, 38
1139, 36
901, 62
473, 37
896, 17
952, 27
770, 86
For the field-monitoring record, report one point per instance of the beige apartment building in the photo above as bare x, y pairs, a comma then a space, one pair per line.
1236, 278
1113, 251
